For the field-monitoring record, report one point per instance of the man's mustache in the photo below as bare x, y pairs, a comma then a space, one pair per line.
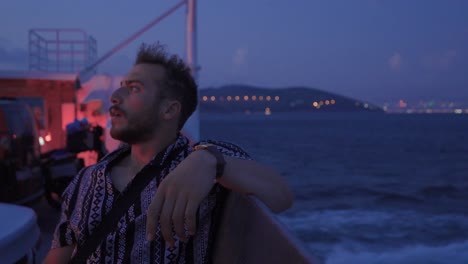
116, 110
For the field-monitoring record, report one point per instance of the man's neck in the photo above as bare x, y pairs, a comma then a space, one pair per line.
142, 153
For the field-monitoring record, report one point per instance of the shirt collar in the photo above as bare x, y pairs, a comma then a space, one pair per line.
180, 143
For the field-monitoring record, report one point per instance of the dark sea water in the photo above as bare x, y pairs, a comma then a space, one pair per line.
369, 188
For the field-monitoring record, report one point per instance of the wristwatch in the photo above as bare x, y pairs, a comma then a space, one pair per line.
220, 161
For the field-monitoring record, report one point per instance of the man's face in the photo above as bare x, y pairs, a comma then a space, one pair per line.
135, 105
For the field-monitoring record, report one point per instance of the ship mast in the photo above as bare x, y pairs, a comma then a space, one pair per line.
191, 57
86, 74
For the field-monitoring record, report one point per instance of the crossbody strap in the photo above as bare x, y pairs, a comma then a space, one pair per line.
121, 206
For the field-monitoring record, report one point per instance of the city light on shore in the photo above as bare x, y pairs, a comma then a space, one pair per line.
426, 107
401, 106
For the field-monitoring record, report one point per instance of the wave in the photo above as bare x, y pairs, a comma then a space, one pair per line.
454, 253
429, 198
398, 199
374, 231
346, 221
443, 190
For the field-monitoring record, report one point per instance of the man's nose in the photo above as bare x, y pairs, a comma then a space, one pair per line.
117, 96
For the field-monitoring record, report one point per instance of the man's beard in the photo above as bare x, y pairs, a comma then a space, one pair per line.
136, 131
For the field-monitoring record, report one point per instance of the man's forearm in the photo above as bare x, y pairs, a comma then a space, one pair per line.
251, 177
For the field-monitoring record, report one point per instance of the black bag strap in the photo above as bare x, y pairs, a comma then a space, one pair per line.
121, 206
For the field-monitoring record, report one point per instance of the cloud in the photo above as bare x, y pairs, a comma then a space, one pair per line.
440, 61
240, 66
394, 62
240, 56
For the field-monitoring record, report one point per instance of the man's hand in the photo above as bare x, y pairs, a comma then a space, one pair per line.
179, 196
59, 255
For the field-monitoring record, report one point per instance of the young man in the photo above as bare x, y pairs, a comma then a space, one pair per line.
173, 219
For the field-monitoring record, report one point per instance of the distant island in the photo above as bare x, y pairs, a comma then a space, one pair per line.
249, 99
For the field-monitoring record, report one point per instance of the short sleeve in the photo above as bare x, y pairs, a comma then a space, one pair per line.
64, 235
228, 149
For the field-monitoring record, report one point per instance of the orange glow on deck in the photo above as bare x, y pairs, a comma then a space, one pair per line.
48, 137
205, 98
68, 114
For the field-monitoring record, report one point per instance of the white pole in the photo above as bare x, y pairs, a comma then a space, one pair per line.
192, 37
193, 124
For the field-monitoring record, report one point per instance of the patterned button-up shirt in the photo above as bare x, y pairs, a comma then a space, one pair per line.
91, 195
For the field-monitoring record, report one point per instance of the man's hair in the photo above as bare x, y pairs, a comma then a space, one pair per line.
178, 82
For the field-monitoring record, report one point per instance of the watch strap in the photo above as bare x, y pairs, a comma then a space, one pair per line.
220, 161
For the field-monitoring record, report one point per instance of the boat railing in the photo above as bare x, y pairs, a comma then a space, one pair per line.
250, 233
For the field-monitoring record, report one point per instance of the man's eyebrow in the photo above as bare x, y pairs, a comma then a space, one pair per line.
128, 82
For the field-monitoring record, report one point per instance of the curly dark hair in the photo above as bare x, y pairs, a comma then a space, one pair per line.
178, 84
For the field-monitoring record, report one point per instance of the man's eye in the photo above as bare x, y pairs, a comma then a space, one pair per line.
133, 88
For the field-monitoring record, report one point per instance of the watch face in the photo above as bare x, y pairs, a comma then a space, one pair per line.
202, 147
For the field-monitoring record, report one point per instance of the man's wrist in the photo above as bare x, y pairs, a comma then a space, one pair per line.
204, 157
212, 150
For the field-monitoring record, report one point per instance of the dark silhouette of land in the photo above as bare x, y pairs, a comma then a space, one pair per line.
243, 98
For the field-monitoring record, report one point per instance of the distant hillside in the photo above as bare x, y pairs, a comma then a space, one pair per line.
243, 98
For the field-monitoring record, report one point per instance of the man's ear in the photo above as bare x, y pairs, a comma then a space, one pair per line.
171, 109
